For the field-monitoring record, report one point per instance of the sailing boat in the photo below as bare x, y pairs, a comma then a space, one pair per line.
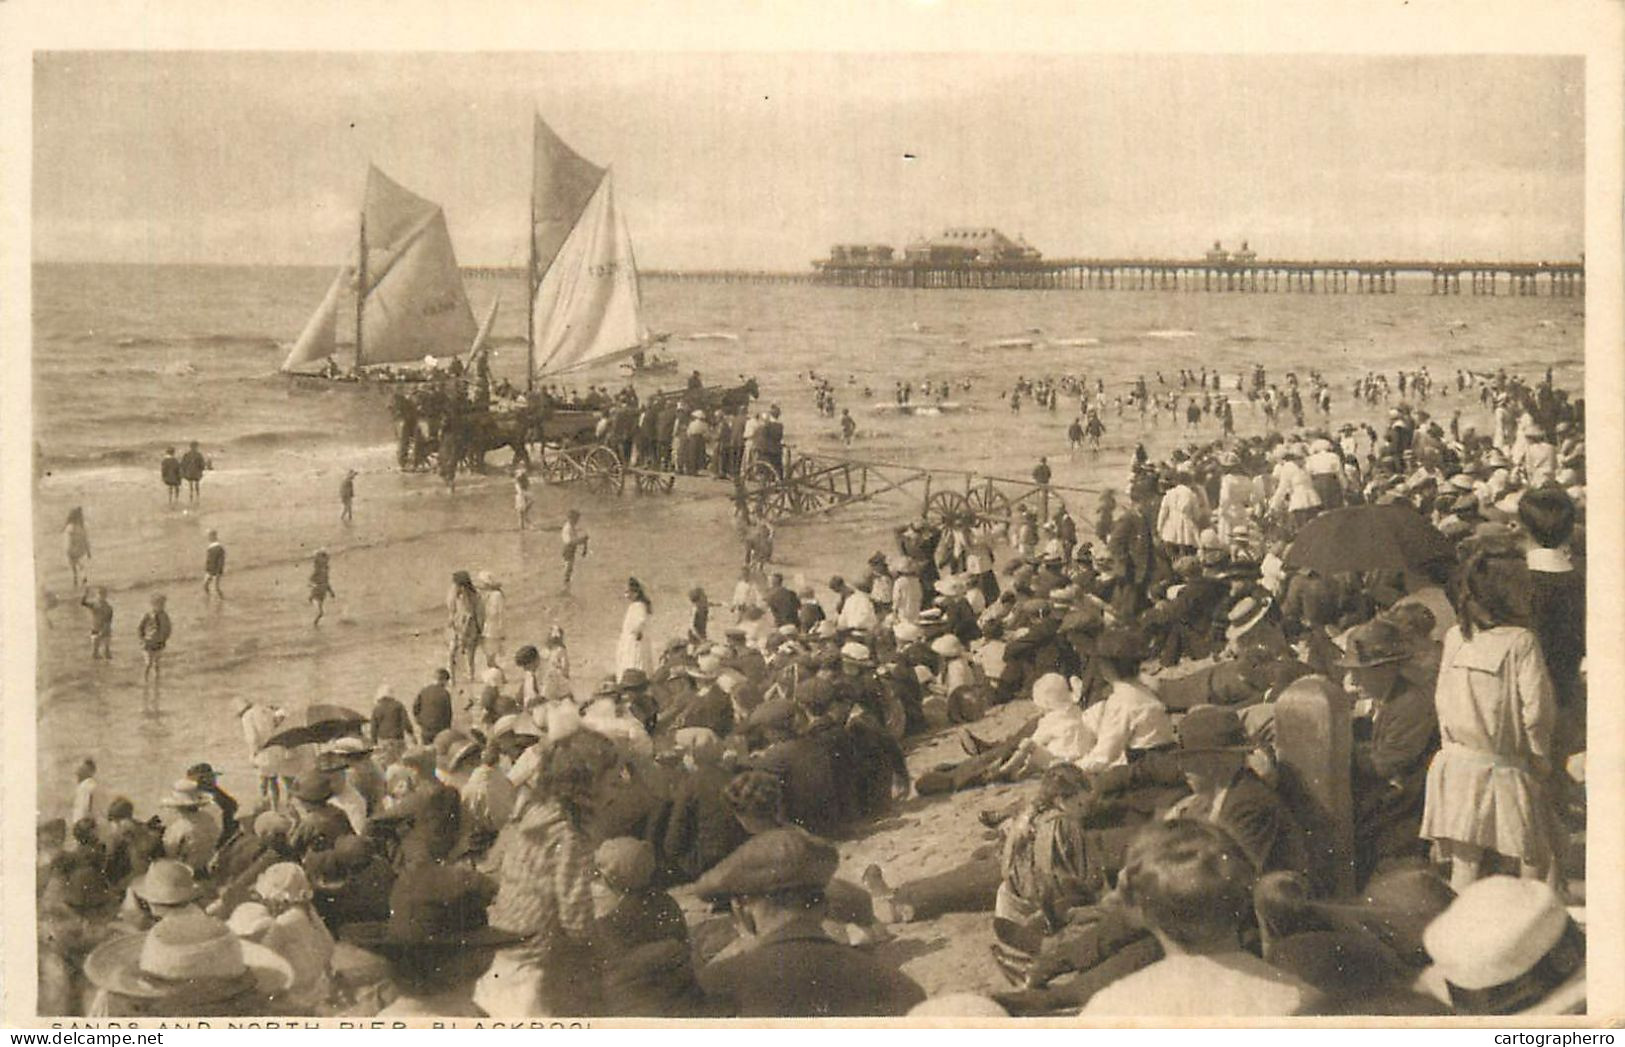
409, 296
585, 305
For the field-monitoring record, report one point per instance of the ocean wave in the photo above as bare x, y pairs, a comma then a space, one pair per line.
278, 437
1170, 334
711, 336
1076, 343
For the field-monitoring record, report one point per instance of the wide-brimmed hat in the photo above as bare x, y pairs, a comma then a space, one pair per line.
907, 632
349, 747
1052, 693
1211, 728
166, 882
517, 724
185, 795
776, 860
1247, 613
1377, 642
634, 680
283, 882
705, 667
453, 749
313, 788
432, 906
856, 653
187, 957
1506, 945
487, 580
948, 646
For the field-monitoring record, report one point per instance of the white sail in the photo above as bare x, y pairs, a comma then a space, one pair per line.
319, 339
415, 304
484, 333
588, 308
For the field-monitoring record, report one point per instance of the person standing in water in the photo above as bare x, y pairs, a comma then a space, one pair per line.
849, 427
214, 565
347, 497
522, 500
320, 586
192, 466
77, 542
573, 543
170, 470
101, 624
154, 631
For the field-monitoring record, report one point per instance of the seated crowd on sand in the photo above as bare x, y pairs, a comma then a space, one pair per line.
657, 842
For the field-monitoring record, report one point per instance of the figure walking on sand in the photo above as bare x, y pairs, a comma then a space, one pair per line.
572, 543
522, 500
347, 497
154, 631
214, 565
77, 542
636, 647
462, 623
320, 586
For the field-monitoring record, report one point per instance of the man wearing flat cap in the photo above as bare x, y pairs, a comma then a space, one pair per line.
774, 885
1392, 749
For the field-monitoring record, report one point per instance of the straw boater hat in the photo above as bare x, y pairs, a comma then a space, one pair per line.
625, 864
907, 632
948, 646
705, 667
856, 653
184, 795
1508, 946
187, 959
1246, 614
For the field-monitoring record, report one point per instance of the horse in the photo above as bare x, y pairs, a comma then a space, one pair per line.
715, 397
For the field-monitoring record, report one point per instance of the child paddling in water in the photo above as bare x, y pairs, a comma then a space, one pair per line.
320, 589
154, 631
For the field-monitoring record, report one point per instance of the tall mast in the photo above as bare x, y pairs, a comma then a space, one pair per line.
360, 288
530, 294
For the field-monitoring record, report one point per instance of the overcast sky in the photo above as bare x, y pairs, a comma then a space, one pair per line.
752, 160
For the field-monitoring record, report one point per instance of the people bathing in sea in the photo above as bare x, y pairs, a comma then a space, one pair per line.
320, 586
101, 623
76, 540
214, 565
169, 470
192, 466
154, 631
573, 545
347, 496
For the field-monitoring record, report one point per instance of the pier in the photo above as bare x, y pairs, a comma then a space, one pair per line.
1550, 279
1559, 279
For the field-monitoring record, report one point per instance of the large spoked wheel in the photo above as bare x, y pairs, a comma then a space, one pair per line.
767, 498
805, 492
604, 472
990, 509
947, 508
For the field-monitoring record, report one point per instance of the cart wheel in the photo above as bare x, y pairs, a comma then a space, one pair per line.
947, 508
604, 472
990, 510
804, 493
765, 491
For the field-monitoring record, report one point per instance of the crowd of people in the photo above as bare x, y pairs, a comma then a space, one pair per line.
518, 847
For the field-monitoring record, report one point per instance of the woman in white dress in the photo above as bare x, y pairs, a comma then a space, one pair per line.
636, 648
1487, 788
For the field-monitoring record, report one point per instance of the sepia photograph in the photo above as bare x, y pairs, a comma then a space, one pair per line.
948, 534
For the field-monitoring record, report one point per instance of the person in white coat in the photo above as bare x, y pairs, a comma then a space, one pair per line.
1181, 517
493, 617
636, 647
1294, 489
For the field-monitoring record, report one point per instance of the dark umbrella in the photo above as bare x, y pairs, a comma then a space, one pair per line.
323, 723
1368, 538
